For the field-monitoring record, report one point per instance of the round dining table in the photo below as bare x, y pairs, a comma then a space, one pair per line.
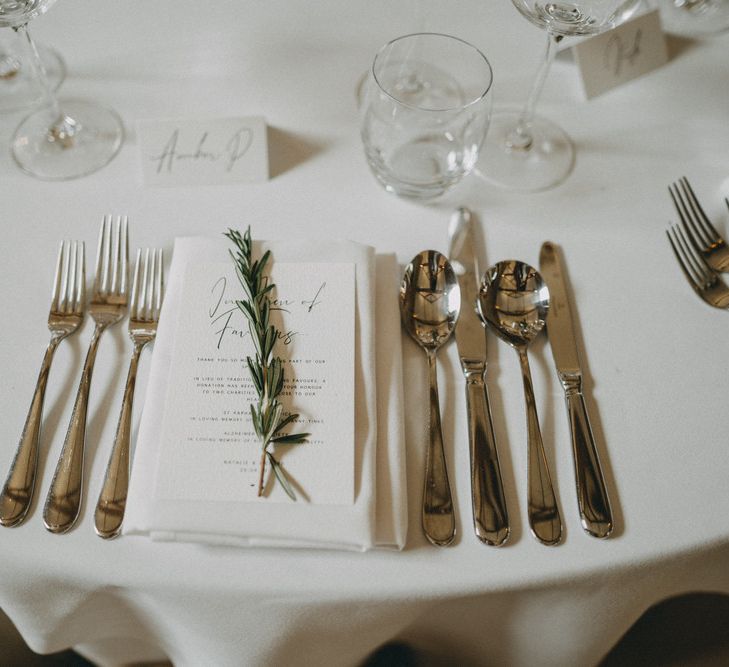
655, 357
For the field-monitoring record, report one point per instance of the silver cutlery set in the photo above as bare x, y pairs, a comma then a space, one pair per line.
108, 306
439, 298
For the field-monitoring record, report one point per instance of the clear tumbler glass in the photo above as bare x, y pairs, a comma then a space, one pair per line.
425, 113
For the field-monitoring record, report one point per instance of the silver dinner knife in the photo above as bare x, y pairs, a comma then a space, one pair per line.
592, 498
490, 519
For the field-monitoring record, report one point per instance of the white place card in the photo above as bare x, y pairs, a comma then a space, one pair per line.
619, 55
209, 450
203, 152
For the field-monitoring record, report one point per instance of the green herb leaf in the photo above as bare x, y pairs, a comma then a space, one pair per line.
255, 420
256, 376
262, 262
246, 309
291, 439
275, 417
285, 422
281, 476
274, 374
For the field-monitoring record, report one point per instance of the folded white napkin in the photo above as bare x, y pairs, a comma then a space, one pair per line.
378, 516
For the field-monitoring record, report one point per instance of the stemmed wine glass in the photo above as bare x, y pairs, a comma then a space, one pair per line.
19, 88
523, 150
63, 140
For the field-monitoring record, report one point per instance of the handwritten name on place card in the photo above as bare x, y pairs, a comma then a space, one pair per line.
203, 152
619, 55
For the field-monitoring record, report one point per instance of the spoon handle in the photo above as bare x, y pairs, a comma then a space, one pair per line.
439, 522
544, 518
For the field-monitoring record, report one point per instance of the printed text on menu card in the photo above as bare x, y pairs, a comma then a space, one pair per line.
209, 450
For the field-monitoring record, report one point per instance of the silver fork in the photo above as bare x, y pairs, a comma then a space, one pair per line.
108, 305
144, 309
708, 242
705, 282
66, 314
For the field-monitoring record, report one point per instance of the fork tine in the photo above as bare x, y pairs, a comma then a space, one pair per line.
699, 214
143, 296
98, 271
57, 282
106, 258
152, 285
71, 284
80, 296
124, 256
113, 288
63, 302
160, 284
133, 310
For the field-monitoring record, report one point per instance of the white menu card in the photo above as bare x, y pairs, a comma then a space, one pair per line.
208, 449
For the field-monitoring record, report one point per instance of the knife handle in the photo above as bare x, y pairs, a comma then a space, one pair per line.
490, 518
592, 498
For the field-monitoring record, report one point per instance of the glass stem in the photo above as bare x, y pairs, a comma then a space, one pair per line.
520, 137
40, 73
63, 128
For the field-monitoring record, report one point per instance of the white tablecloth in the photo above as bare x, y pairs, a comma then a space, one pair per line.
656, 356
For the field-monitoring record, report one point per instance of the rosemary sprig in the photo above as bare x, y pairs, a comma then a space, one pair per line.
266, 370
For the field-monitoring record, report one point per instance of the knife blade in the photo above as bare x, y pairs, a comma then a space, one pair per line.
592, 497
490, 518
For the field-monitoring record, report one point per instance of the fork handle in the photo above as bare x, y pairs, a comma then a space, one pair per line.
17, 494
112, 501
63, 501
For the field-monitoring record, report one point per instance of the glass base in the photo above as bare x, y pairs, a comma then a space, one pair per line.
88, 139
541, 165
19, 87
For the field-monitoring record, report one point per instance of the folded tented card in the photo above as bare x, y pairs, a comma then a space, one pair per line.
619, 55
208, 449
203, 152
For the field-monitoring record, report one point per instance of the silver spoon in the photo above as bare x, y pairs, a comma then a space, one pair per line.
514, 301
430, 301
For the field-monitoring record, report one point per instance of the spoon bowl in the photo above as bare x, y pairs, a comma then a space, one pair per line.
430, 299
430, 302
514, 302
